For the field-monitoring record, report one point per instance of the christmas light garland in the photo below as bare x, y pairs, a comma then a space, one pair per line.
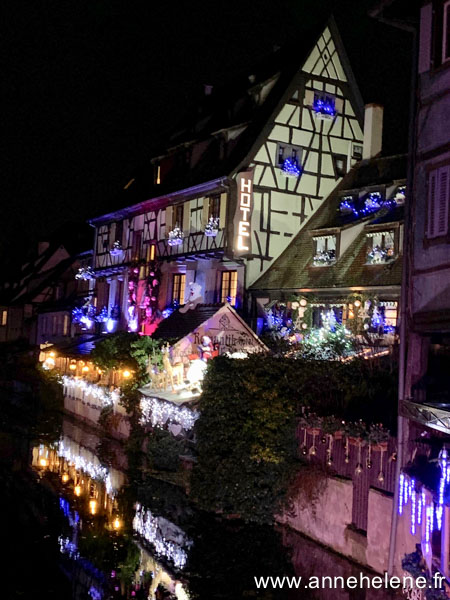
74, 387
159, 413
150, 528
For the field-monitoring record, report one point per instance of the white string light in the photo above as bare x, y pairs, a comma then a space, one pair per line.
150, 528
158, 413
75, 387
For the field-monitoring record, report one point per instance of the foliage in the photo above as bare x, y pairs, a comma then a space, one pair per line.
113, 351
250, 408
144, 347
129, 566
326, 344
246, 437
163, 450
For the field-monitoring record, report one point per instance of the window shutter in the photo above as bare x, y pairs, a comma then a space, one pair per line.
431, 203
442, 201
426, 20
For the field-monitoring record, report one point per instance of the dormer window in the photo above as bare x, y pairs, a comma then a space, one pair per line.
381, 247
289, 160
324, 250
362, 206
324, 105
347, 205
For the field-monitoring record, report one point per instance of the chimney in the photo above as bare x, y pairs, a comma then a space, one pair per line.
373, 130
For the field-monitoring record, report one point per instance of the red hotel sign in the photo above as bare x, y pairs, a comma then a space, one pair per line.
243, 216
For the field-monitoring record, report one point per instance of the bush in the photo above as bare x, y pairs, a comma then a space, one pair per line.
163, 450
250, 408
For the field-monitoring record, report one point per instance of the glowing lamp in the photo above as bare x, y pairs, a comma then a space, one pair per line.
93, 506
304, 326
85, 369
65, 477
303, 302
127, 374
43, 462
73, 367
357, 303
77, 490
116, 524
52, 354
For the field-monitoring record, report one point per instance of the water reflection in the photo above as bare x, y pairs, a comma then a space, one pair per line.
117, 540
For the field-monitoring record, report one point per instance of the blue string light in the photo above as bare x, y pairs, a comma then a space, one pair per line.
324, 106
290, 167
372, 203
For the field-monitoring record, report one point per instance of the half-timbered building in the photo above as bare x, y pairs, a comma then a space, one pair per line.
209, 214
347, 260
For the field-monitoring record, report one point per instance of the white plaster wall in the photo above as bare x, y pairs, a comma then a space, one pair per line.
327, 519
378, 530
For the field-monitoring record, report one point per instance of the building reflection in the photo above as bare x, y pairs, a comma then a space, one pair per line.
103, 550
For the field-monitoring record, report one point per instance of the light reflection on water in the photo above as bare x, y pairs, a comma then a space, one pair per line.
117, 540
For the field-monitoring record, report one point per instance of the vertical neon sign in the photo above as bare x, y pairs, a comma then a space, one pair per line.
243, 215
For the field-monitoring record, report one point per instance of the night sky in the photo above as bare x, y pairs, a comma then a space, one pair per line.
91, 86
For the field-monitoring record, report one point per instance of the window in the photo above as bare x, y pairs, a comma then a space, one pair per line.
66, 325
381, 247
340, 164
178, 216
214, 207
4, 320
324, 105
228, 287
289, 159
137, 242
446, 33
178, 287
325, 250
438, 202
357, 152
151, 252
54, 325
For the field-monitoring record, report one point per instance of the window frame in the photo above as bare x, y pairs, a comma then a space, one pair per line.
437, 209
179, 284
214, 206
445, 46
226, 288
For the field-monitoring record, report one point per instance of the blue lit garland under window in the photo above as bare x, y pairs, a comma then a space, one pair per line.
290, 167
372, 203
324, 106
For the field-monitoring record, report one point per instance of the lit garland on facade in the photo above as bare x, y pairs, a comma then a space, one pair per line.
212, 227
85, 273
290, 167
150, 528
175, 237
79, 387
420, 510
159, 413
324, 106
372, 203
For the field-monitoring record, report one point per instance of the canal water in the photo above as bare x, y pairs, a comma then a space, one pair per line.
77, 526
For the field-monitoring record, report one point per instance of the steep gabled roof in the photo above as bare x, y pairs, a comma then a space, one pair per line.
234, 113
178, 324
293, 269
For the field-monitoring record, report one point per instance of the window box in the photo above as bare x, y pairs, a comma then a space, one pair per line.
324, 106
324, 258
289, 158
175, 237
212, 227
116, 249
